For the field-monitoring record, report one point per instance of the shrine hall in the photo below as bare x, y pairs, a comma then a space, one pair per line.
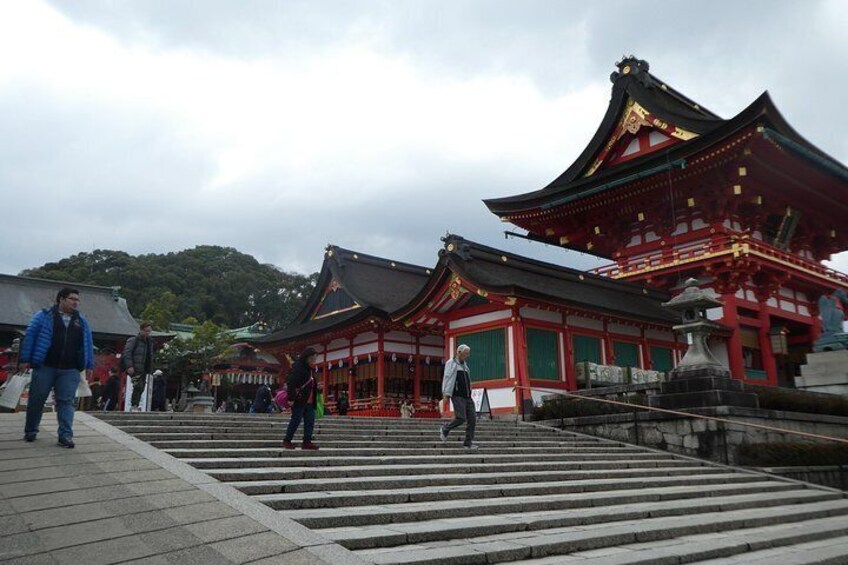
666, 191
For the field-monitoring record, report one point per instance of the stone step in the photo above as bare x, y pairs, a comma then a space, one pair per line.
448, 455
276, 433
300, 458
259, 420
375, 514
275, 472
400, 446
333, 498
276, 440
412, 480
368, 432
812, 542
388, 535
826, 550
563, 541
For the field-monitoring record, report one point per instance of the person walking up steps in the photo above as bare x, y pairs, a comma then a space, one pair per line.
456, 388
303, 396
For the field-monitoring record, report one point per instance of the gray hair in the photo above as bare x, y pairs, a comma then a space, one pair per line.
462, 348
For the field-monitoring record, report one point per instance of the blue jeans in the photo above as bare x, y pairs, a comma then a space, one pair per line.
64, 383
305, 412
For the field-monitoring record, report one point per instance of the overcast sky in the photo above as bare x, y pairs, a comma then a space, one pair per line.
275, 128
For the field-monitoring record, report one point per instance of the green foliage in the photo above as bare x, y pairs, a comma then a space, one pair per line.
562, 407
790, 454
190, 358
800, 401
208, 283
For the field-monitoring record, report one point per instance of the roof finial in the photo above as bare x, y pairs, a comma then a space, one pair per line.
631, 66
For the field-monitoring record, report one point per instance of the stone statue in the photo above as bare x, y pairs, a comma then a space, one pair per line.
832, 308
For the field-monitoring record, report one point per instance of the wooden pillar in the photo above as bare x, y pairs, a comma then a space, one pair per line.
520, 353
646, 351
734, 344
416, 375
351, 369
570, 369
769, 362
609, 351
381, 370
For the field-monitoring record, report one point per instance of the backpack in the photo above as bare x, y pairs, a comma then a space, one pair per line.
282, 397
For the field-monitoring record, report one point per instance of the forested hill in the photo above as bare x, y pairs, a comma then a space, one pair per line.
206, 283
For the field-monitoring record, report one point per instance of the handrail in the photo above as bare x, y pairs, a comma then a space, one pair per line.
688, 414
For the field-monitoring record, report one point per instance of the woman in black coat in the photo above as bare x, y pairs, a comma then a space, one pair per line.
303, 396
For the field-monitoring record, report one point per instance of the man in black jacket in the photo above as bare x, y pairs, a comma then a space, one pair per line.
303, 396
137, 361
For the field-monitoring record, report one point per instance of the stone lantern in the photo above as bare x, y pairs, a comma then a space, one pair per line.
692, 304
699, 380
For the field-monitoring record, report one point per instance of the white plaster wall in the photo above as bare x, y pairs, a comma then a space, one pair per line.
480, 319
338, 344
399, 336
580, 322
366, 348
543, 315
365, 337
624, 330
660, 335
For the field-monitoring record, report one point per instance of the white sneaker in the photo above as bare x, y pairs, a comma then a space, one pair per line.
442, 435
472, 446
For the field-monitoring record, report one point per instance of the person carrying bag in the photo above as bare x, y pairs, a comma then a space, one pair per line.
303, 396
15, 389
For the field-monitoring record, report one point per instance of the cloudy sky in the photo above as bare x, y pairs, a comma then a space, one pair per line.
277, 127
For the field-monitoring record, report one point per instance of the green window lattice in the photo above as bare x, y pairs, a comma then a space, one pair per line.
586, 348
542, 358
488, 354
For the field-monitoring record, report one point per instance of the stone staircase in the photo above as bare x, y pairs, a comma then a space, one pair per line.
390, 491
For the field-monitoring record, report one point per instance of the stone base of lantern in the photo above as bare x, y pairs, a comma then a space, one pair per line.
700, 387
202, 403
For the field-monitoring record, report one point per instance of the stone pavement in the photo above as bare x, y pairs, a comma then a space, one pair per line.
115, 499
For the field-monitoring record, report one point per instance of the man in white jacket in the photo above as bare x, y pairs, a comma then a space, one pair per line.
456, 388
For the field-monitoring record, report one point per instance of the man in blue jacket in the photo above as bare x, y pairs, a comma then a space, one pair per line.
57, 346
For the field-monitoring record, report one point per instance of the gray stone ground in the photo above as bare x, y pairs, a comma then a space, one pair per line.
115, 499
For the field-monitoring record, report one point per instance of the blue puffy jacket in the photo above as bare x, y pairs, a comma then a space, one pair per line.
39, 337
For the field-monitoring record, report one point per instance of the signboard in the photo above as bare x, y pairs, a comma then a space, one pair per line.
480, 396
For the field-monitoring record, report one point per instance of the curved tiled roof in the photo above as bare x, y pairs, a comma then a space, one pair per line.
106, 312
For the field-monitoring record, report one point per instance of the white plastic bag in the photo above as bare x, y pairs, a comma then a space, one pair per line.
83, 390
15, 389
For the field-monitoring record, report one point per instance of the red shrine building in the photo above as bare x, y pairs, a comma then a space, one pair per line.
667, 191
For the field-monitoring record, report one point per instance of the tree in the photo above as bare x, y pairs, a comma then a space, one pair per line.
209, 283
189, 359
161, 311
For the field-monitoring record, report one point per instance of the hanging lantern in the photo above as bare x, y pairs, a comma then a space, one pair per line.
409, 359
394, 357
356, 360
427, 359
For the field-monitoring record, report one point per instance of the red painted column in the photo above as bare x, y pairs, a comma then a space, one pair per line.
520, 353
381, 370
734, 344
769, 362
570, 369
416, 375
